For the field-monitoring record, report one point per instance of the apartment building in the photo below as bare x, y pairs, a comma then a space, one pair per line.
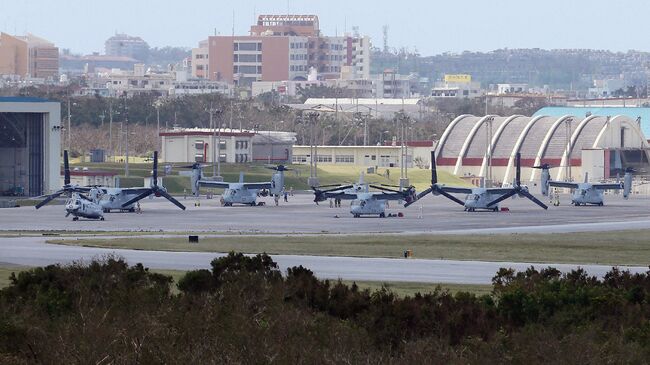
128, 46
28, 56
281, 47
14, 56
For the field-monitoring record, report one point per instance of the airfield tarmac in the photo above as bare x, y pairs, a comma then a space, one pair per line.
302, 215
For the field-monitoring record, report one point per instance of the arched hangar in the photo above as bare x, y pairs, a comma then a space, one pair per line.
486, 146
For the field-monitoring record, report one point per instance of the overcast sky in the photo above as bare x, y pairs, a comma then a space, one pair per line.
432, 26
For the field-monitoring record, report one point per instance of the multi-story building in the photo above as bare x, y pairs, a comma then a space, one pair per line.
282, 47
43, 57
200, 64
457, 86
139, 82
28, 57
14, 55
126, 45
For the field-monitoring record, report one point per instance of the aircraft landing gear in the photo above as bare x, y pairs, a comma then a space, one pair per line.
600, 204
101, 218
357, 216
382, 215
74, 219
495, 209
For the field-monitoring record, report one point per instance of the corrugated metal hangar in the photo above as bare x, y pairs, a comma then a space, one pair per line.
30, 144
602, 146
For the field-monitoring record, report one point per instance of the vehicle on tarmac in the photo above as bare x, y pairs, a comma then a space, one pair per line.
79, 205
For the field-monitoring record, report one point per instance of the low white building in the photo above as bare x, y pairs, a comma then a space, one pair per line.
198, 145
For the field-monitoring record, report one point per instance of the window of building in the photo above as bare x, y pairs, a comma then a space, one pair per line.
199, 157
324, 158
199, 145
222, 145
299, 159
345, 159
248, 46
246, 58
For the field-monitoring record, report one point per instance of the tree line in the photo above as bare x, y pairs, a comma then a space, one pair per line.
245, 310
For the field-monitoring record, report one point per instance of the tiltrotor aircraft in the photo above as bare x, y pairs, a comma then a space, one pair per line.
240, 192
364, 201
82, 206
77, 204
478, 198
586, 192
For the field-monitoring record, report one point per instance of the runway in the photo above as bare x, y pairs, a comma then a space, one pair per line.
432, 215
33, 251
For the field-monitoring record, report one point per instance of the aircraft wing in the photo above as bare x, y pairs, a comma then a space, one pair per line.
451, 189
607, 186
257, 186
499, 190
563, 184
214, 184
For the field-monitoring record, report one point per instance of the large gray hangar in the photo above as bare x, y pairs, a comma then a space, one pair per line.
30, 144
602, 146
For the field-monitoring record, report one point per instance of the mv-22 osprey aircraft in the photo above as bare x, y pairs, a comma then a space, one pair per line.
364, 201
240, 192
586, 193
109, 199
478, 198
78, 204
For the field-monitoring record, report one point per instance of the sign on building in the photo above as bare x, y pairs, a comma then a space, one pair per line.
458, 78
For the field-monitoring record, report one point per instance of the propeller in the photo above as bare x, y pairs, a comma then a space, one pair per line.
319, 195
67, 188
154, 189
517, 189
434, 188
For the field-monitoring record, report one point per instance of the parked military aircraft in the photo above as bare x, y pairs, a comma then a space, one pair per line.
130, 193
82, 206
364, 202
586, 192
67, 188
477, 198
240, 192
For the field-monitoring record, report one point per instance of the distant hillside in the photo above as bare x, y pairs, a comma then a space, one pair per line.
561, 68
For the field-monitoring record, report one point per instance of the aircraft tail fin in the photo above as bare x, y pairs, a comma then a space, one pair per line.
196, 176
277, 183
627, 183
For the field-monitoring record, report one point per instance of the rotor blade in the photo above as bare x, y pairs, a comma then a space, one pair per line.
531, 197
385, 189
391, 185
450, 197
139, 197
84, 197
155, 168
49, 199
518, 175
338, 188
434, 172
66, 168
502, 197
325, 186
67, 214
171, 199
418, 197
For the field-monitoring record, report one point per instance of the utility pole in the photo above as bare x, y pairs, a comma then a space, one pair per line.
216, 149
110, 127
69, 125
126, 141
313, 161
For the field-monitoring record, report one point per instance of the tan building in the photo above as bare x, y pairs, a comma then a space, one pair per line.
43, 57
28, 56
14, 56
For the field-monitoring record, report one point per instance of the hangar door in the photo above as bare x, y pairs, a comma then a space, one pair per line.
21, 154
